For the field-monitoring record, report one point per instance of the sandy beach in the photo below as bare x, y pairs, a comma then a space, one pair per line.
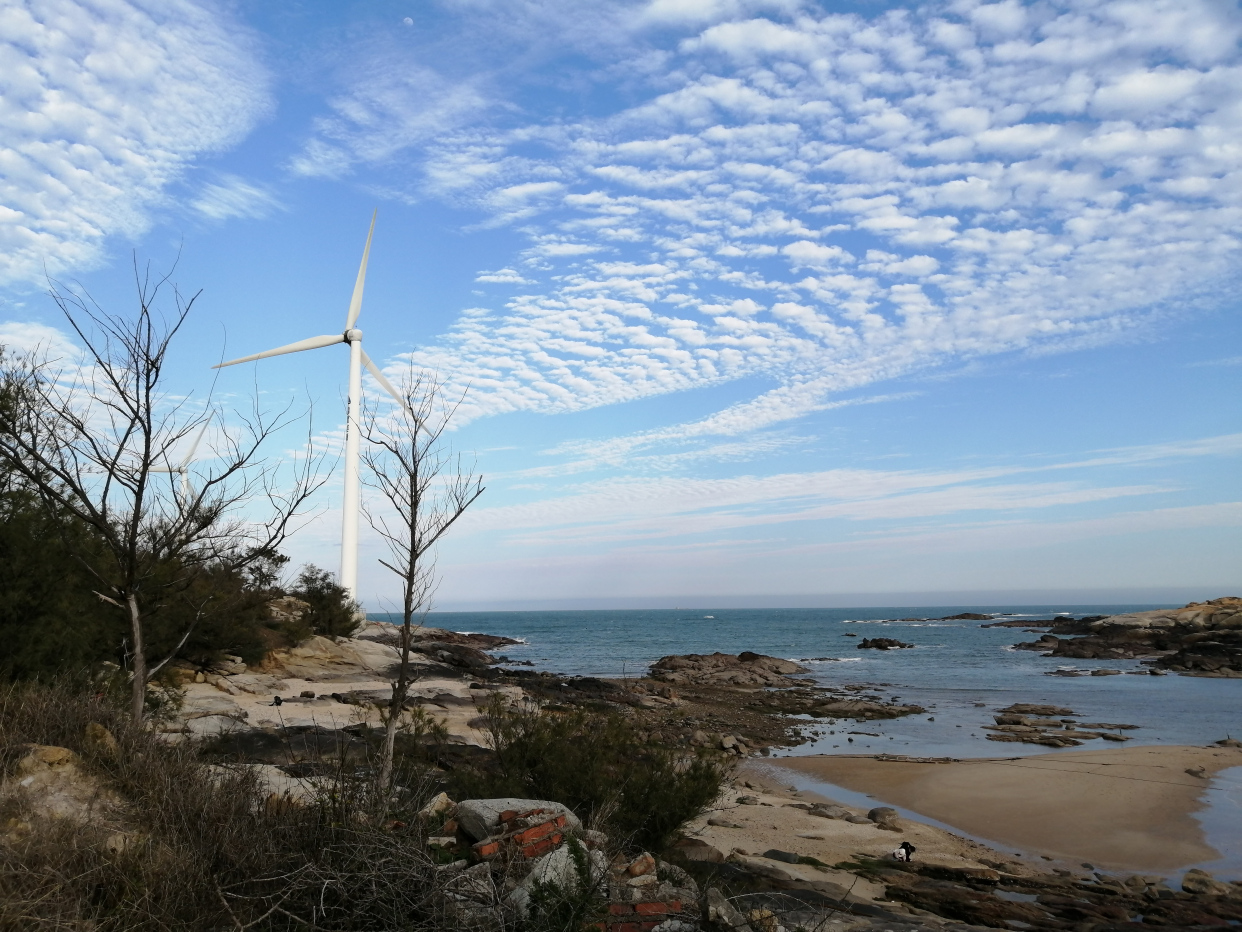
1122, 809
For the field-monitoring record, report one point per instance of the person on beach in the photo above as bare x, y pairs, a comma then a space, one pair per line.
904, 852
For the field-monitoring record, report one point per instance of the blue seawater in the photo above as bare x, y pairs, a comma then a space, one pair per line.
959, 671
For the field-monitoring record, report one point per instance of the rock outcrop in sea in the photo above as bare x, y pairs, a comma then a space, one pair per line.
1201, 639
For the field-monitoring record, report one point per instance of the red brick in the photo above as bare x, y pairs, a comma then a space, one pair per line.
540, 847
534, 833
486, 849
508, 815
620, 909
651, 909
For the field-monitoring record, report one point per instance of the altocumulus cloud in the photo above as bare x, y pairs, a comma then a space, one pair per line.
102, 105
828, 200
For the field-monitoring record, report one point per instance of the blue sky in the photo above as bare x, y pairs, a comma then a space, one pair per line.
749, 299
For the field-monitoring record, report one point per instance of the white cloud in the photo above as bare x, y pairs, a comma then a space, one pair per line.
102, 106
232, 197
646, 509
392, 103
502, 277
37, 339
824, 201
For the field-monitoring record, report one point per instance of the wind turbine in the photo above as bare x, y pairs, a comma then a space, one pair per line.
184, 468
350, 505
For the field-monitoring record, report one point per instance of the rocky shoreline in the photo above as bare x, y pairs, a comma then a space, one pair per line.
325, 693
1201, 639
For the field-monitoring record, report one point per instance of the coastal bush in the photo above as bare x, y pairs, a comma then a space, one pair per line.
332, 613
205, 848
597, 764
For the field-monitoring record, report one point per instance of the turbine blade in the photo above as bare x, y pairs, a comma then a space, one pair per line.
379, 377
197, 440
355, 303
312, 343
185, 485
163, 469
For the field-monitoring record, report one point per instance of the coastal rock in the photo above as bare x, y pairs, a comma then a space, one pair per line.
1200, 639
746, 669
480, 818
455, 655
319, 659
50, 782
882, 644
559, 869
287, 609
719, 913
1199, 881
886, 818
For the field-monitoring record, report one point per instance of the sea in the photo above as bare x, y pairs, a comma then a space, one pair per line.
959, 671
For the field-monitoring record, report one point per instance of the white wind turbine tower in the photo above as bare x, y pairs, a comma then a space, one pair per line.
350, 504
184, 469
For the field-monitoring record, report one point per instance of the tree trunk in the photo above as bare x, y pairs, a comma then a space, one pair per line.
390, 744
139, 695
399, 691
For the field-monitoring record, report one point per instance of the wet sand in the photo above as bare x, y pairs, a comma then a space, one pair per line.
1122, 809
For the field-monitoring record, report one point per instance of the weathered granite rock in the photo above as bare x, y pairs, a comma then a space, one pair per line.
1201, 639
1199, 881
886, 818
49, 781
746, 669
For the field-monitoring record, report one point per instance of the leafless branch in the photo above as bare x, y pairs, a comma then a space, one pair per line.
93, 441
425, 489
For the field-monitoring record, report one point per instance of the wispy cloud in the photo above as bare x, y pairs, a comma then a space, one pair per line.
638, 509
104, 106
232, 197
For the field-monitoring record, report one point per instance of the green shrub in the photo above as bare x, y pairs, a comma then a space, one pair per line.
598, 765
332, 613
571, 907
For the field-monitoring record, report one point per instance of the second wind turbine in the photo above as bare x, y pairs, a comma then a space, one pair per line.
351, 501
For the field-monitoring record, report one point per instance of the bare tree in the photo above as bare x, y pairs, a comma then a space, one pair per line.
93, 442
425, 488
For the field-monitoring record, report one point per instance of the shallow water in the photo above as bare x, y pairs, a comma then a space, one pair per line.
957, 670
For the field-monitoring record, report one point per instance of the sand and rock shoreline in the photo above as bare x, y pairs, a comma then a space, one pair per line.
1125, 811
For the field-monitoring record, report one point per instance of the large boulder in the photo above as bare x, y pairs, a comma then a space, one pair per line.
560, 869
455, 655
481, 818
746, 669
50, 782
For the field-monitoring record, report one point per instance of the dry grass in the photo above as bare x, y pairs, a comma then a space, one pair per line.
207, 850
